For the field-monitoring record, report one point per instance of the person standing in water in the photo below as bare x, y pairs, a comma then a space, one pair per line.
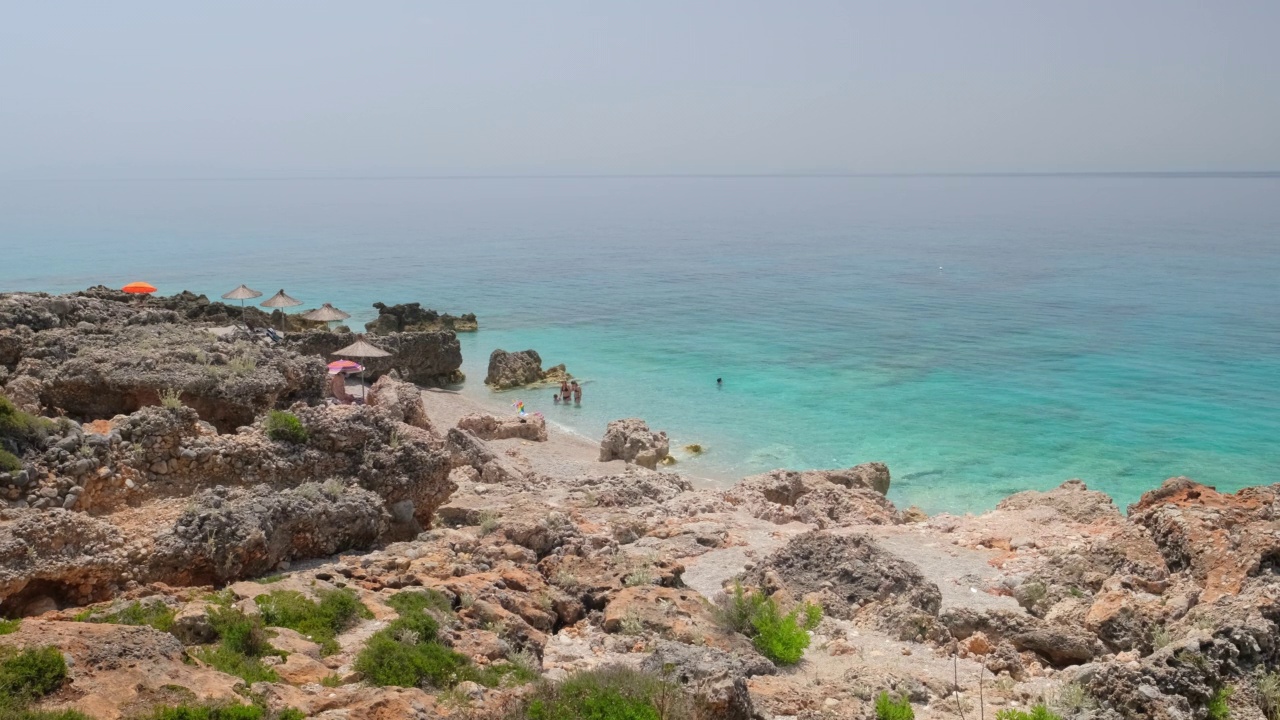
565, 393
577, 393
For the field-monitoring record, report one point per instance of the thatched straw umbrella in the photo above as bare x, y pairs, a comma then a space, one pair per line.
242, 293
325, 313
361, 349
280, 300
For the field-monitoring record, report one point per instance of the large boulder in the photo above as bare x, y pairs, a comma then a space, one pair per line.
230, 534
65, 556
490, 427
422, 358
402, 400
516, 369
718, 679
632, 440
825, 498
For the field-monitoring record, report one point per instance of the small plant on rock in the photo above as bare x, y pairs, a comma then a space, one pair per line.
284, 426
889, 707
171, 399
1073, 699
242, 642
9, 462
781, 638
1268, 687
9, 626
1218, 707
488, 522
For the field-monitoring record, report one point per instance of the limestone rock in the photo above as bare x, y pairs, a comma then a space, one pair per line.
516, 369
826, 498
402, 400
410, 317
422, 358
632, 440
717, 678
490, 427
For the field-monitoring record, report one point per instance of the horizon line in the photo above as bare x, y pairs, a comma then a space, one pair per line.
1171, 174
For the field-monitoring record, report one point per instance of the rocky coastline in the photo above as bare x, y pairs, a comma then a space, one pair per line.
166, 479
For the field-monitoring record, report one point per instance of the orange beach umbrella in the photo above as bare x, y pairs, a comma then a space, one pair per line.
139, 288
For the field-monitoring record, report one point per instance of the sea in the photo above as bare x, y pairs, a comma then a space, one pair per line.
981, 335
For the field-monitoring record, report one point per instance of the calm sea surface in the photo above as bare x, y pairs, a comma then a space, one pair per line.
982, 335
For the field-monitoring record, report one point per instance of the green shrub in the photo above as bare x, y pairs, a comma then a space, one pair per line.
781, 638
1218, 708
407, 652
31, 673
23, 428
409, 662
9, 462
9, 626
891, 708
321, 621
171, 399
409, 602
156, 614
284, 426
1037, 712
242, 641
608, 694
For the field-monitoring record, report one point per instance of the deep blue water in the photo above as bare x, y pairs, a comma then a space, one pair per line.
982, 335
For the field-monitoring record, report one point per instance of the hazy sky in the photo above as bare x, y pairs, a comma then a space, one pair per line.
260, 88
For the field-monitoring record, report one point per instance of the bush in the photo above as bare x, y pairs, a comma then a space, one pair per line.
285, 427
1037, 712
781, 638
1218, 708
9, 462
407, 652
23, 428
32, 673
321, 621
9, 626
608, 694
171, 399
891, 708
156, 614
16, 714
242, 640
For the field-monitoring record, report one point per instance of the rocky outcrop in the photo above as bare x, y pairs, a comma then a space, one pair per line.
230, 534
401, 400
516, 369
90, 375
631, 440
410, 317
422, 358
490, 427
717, 678
1220, 539
825, 498
59, 556
852, 575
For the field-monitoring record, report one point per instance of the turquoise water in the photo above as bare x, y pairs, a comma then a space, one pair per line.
981, 335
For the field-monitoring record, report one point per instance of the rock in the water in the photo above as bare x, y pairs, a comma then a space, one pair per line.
515, 369
410, 317
632, 440
490, 427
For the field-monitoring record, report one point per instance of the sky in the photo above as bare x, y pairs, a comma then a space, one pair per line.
261, 88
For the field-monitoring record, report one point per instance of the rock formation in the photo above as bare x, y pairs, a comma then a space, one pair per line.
632, 440
490, 427
410, 317
516, 369
422, 358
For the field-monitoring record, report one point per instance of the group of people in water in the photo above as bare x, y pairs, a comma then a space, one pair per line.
569, 391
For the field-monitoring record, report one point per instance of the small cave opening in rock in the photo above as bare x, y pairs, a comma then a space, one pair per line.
40, 596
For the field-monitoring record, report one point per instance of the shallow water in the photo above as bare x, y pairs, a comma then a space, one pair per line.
981, 335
